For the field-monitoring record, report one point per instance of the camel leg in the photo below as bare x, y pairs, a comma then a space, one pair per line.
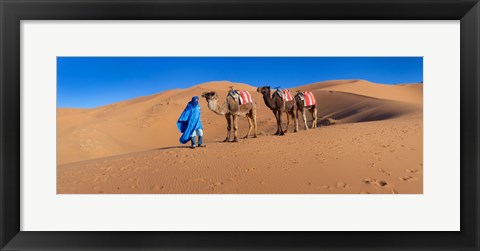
254, 118
278, 127
296, 118
279, 123
305, 117
235, 128
288, 121
314, 115
276, 118
249, 126
295, 121
229, 127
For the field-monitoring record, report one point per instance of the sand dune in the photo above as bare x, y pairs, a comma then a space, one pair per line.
374, 146
133, 125
411, 93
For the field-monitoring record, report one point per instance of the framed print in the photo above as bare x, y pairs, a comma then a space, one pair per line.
239, 125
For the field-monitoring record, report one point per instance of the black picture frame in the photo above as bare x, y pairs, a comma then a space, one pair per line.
13, 11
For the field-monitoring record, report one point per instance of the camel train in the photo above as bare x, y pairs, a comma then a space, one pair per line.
241, 104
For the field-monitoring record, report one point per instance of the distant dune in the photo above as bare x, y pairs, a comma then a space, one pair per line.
411, 93
374, 145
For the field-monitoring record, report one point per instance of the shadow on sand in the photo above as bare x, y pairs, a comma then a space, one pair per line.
172, 147
186, 145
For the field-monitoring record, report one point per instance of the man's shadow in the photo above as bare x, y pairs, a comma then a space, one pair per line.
183, 146
172, 147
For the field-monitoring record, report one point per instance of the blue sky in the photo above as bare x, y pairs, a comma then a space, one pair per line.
86, 82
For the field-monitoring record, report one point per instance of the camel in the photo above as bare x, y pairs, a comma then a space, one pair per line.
299, 98
277, 104
232, 110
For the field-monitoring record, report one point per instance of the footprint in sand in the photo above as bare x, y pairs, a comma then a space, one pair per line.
369, 181
411, 170
380, 183
216, 186
342, 185
329, 188
157, 187
383, 183
407, 178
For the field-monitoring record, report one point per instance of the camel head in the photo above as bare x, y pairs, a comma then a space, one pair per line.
210, 95
264, 90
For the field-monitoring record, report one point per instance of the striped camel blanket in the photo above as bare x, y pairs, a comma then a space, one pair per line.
242, 97
308, 98
285, 94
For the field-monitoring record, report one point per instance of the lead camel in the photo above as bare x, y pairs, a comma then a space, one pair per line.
231, 109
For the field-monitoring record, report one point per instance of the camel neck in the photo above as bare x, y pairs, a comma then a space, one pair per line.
268, 100
220, 109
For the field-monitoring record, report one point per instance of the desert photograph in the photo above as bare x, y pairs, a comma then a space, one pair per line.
239, 125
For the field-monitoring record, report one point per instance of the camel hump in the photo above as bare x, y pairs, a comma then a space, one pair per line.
300, 94
279, 92
234, 94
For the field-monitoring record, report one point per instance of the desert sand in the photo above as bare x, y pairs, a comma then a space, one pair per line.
369, 140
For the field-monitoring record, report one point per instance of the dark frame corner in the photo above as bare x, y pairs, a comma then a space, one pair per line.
13, 11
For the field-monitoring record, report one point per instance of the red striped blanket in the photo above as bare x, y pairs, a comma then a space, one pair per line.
244, 97
288, 95
309, 99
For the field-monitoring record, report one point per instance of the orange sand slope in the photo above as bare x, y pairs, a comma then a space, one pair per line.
381, 155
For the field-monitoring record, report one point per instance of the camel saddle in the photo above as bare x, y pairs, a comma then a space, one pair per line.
279, 92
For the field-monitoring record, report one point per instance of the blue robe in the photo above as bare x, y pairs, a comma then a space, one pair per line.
189, 121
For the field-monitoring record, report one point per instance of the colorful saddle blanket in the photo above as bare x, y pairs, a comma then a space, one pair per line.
308, 98
242, 97
285, 94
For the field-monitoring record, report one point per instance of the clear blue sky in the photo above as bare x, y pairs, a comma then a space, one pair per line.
85, 82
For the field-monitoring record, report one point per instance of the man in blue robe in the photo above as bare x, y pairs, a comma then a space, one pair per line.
189, 123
